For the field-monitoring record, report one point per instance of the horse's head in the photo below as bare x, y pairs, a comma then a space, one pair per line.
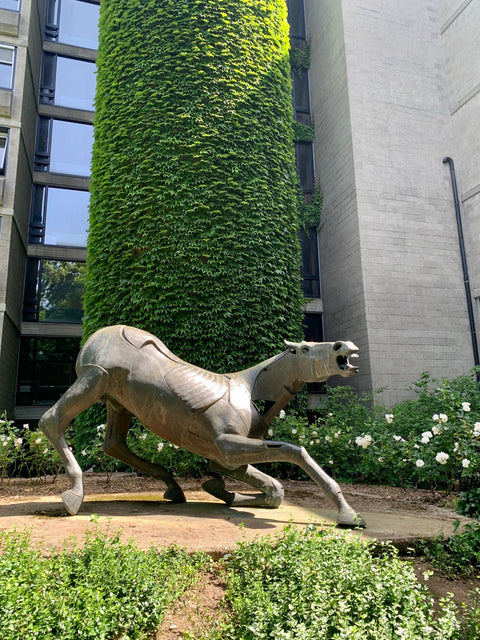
317, 361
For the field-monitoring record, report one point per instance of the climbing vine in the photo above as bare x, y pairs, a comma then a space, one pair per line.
194, 215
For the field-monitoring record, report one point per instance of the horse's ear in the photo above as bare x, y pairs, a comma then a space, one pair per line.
293, 346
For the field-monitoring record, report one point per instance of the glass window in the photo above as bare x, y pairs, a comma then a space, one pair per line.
310, 268
313, 332
59, 216
46, 369
13, 5
68, 82
72, 22
305, 166
7, 60
3, 149
53, 291
71, 147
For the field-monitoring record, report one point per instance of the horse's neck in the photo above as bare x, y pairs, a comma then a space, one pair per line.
273, 381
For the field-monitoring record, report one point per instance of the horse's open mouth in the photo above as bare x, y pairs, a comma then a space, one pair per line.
343, 362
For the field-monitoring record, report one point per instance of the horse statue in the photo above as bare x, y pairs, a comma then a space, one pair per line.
210, 414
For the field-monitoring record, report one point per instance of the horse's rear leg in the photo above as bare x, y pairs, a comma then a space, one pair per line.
272, 491
89, 387
115, 445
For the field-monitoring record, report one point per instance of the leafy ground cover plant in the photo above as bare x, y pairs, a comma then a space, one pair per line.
102, 590
458, 555
322, 585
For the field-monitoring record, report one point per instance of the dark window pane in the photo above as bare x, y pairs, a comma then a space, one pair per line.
13, 5
304, 156
75, 83
296, 18
301, 97
313, 332
46, 369
310, 268
78, 23
53, 291
313, 327
71, 148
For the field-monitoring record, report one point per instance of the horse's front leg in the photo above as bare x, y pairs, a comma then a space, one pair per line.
238, 450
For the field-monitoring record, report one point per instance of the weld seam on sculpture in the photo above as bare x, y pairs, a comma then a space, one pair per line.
213, 415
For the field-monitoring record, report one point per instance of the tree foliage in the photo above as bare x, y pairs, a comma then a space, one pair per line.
193, 226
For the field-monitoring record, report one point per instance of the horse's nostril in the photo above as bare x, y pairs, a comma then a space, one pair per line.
337, 346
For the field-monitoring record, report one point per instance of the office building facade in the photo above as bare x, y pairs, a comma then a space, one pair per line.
391, 91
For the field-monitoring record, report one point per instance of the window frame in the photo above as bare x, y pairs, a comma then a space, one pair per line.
49, 78
13, 49
39, 215
4, 135
53, 10
43, 145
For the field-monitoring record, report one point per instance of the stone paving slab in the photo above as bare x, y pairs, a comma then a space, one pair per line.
201, 524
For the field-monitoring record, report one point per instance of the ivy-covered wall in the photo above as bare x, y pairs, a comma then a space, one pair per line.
193, 227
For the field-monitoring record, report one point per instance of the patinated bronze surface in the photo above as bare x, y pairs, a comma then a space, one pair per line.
210, 414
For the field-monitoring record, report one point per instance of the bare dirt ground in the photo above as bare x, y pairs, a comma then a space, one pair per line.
134, 505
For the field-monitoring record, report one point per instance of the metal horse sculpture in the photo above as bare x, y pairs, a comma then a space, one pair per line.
210, 414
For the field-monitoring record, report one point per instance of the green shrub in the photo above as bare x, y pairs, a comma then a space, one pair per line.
320, 585
103, 590
24, 452
458, 555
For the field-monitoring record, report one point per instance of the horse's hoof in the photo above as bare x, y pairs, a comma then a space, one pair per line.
175, 494
72, 501
348, 518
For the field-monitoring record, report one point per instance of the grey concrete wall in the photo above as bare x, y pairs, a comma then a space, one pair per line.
460, 29
17, 191
339, 237
382, 146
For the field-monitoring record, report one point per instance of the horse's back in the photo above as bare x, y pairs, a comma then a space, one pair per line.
117, 346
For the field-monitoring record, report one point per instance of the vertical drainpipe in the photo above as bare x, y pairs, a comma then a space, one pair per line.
466, 279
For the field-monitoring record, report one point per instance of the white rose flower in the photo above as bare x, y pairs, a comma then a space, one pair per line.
420, 463
311, 443
281, 415
380, 459
389, 417
38, 441
160, 446
436, 417
26, 427
442, 457
18, 442
330, 462
455, 447
398, 439
314, 434
270, 432
294, 432
443, 417
363, 441
143, 436
84, 452
337, 434
327, 439
476, 429
45, 451
465, 463
466, 406
317, 441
